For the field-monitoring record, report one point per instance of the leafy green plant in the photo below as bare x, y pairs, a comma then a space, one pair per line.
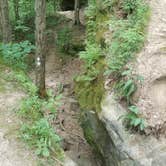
37, 115
31, 108
126, 89
91, 75
15, 54
126, 85
133, 118
51, 105
40, 136
128, 35
36, 130
91, 55
21, 27
24, 81
58, 19
130, 5
127, 21
34, 108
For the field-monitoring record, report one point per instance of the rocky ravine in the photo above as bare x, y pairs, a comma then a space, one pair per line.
109, 137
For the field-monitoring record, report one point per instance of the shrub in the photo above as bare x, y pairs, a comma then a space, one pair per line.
127, 21
130, 5
133, 118
15, 54
91, 55
31, 108
128, 34
40, 136
37, 115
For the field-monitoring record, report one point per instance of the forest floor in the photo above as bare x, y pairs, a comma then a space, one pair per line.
12, 151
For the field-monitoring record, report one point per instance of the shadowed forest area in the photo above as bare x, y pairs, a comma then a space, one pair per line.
82, 83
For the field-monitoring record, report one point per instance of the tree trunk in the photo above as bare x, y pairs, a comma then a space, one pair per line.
77, 12
40, 21
16, 9
55, 7
0, 25
6, 28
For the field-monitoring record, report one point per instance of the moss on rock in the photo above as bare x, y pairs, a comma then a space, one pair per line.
89, 88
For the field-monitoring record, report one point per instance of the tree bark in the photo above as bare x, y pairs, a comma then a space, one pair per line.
40, 21
0, 25
77, 12
54, 4
5, 21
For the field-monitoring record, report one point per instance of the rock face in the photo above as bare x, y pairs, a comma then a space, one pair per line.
97, 136
133, 149
117, 146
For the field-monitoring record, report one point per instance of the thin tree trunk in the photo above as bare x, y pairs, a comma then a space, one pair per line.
54, 4
0, 24
40, 21
16, 9
77, 12
6, 27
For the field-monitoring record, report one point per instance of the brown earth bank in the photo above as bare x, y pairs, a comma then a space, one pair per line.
151, 65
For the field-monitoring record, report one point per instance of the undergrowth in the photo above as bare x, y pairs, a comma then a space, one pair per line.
128, 34
37, 116
16, 54
126, 22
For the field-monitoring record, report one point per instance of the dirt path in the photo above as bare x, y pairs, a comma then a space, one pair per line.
151, 64
12, 151
59, 72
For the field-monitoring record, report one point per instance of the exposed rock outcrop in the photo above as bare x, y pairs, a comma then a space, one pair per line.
116, 145
132, 149
151, 64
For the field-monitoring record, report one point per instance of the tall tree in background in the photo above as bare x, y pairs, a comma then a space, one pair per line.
77, 12
16, 9
0, 24
40, 21
5, 21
